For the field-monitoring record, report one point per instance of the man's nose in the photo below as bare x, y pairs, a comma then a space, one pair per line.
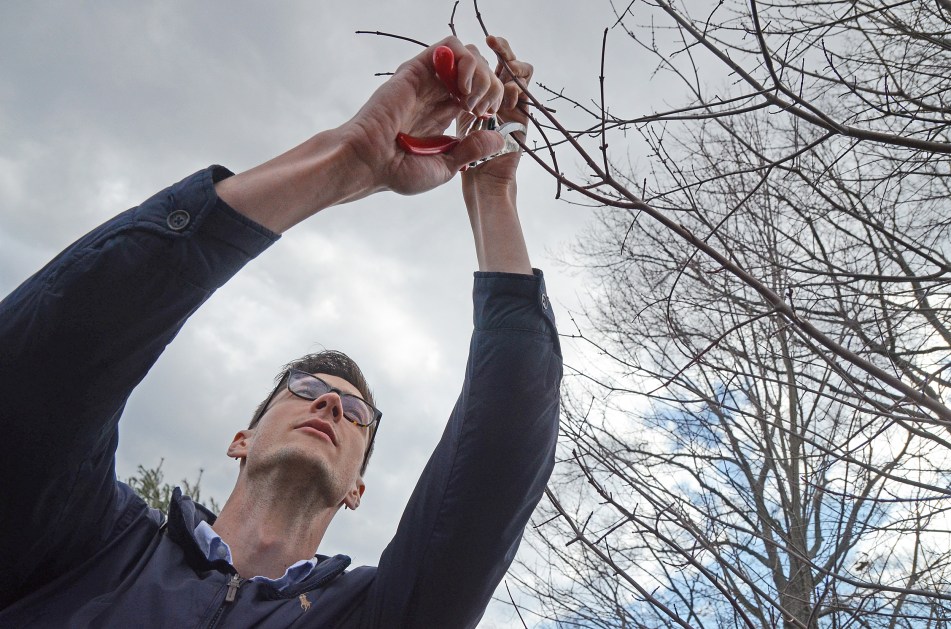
329, 401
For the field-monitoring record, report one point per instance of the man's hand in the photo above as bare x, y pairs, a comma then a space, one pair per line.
414, 101
489, 189
362, 157
496, 178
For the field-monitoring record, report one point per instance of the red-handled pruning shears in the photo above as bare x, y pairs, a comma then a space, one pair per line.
444, 62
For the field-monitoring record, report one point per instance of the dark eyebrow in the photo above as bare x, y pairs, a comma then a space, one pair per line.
357, 395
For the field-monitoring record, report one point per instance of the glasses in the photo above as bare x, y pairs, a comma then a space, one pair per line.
355, 409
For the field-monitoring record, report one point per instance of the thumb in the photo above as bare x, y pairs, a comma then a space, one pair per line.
475, 146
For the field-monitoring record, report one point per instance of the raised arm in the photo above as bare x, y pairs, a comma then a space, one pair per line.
490, 190
463, 524
81, 333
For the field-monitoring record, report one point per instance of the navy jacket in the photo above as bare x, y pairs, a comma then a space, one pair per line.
78, 548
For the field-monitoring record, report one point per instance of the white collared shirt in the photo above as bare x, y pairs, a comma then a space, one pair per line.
216, 549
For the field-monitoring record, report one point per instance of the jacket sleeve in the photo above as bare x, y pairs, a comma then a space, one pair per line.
76, 338
463, 523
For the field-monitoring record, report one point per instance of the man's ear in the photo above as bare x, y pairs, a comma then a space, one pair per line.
352, 499
239, 445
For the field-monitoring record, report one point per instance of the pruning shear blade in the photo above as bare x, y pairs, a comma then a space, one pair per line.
506, 129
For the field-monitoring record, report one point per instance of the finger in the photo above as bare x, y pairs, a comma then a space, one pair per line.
519, 69
507, 60
481, 89
510, 70
486, 90
464, 122
474, 147
513, 88
464, 64
472, 73
491, 100
513, 93
501, 47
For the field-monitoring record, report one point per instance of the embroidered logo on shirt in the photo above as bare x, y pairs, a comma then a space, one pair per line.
304, 603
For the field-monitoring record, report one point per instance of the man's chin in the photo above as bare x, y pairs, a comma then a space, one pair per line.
293, 462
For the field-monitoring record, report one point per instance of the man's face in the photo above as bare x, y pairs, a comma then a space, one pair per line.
308, 442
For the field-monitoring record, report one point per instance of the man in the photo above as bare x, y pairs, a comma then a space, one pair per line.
78, 548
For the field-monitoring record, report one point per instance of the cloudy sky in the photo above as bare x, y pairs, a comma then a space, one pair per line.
102, 104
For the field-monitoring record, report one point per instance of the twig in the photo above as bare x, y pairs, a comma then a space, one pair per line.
394, 36
696, 358
452, 19
512, 598
604, 140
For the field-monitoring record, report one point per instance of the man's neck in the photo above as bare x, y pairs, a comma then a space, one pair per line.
269, 533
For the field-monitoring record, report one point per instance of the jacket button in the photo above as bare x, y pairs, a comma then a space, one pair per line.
178, 220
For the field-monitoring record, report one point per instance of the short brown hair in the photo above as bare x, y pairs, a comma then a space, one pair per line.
332, 363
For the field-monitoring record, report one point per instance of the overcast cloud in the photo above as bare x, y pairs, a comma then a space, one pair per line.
102, 104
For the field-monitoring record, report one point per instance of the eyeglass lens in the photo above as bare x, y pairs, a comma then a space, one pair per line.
311, 387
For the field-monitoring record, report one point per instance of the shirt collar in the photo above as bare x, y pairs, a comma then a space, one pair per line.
216, 549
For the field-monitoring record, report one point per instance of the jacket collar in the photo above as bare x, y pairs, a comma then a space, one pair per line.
184, 514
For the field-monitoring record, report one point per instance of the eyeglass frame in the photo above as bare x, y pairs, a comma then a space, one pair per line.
286, 381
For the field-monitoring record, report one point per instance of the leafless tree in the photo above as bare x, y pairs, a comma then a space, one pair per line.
762, 435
